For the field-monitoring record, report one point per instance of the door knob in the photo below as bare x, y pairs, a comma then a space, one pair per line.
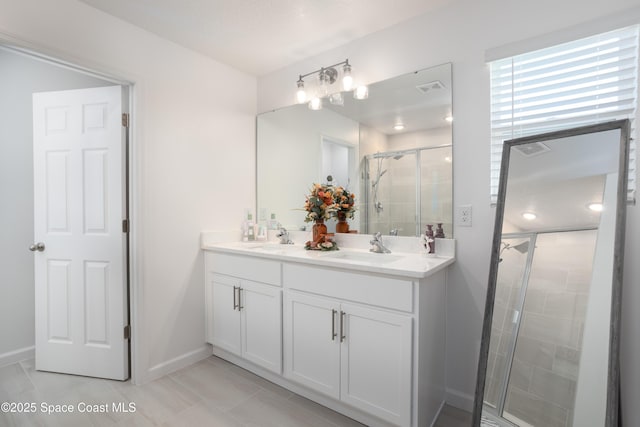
37, 247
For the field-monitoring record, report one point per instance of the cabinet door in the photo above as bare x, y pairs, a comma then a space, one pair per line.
261, 319
311, 342
226, 318
376, 362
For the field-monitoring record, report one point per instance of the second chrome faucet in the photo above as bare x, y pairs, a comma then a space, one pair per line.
377, 246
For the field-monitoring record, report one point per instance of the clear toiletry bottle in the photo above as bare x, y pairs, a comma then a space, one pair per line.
273, 222
251, 231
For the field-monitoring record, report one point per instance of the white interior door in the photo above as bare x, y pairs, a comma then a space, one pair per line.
80, 249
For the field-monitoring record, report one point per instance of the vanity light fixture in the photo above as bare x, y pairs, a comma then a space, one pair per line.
301, 95
347, 79
336, 98
596, 207
529, 216
326, 77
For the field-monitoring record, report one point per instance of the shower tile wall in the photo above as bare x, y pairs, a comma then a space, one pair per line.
544, 373
397, 192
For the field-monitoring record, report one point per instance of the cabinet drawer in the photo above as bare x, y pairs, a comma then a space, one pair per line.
370, 289
250, 268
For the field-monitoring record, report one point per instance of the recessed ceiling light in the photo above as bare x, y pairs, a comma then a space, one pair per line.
398, 126
449, 118
529, 216
596, 207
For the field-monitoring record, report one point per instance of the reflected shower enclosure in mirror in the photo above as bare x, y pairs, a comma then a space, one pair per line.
402, 178
550, 339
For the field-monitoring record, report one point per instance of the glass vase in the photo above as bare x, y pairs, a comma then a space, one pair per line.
342, 226
319, 230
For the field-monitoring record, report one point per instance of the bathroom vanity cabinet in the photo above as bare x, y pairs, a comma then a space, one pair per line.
244, 316
357, 353
367, 344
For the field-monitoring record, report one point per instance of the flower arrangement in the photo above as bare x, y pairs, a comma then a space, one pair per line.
345, 202
320, 203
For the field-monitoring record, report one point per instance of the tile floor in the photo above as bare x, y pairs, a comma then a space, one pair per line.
212, 392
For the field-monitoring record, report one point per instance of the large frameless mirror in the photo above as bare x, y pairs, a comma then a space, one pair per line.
550, 340
393, 150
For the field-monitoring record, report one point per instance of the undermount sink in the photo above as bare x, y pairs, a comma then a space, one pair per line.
366, 257
271, 247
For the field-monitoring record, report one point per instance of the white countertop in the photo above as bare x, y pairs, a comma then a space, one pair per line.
406, 264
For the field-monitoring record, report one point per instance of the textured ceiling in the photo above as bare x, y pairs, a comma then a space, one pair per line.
260, 36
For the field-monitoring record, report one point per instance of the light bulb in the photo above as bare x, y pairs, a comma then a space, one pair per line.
315, 103
361, 92
347, 80
301, 95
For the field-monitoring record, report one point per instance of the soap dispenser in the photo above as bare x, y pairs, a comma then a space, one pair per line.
431, 244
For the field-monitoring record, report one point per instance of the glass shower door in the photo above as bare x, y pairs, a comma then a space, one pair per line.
392, 201
545, 369
510, 288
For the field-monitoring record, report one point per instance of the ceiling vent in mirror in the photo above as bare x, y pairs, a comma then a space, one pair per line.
532, 149
431, 86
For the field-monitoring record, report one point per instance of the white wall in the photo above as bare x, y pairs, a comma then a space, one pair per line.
20, 77
194, 127
461, 33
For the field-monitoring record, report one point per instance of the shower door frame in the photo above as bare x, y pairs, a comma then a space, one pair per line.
498, 411
418, 180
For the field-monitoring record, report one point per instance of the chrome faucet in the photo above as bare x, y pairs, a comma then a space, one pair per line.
377, 246
283, 235
394, 231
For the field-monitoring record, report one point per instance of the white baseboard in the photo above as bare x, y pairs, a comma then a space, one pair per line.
459, 399
177, 363
17, 355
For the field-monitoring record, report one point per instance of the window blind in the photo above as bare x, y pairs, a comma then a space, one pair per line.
587, 81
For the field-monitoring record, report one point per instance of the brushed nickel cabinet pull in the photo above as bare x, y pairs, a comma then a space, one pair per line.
334, 334
240, 306
342, 317
235, 303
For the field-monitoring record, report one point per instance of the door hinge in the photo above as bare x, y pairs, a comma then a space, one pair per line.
127, 332
125, 225
125, 120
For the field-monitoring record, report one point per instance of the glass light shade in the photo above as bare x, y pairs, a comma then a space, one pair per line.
361, 92
336, 98
301, 95
323, 88
347, 80
315, 103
